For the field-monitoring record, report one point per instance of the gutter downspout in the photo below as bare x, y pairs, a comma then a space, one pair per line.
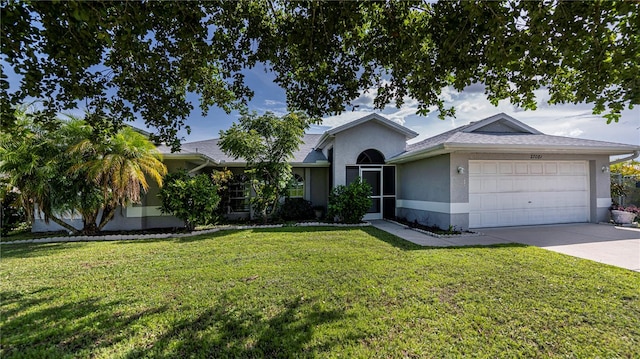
199, 167
623, 159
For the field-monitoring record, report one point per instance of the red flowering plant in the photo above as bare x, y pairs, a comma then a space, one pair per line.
633, 209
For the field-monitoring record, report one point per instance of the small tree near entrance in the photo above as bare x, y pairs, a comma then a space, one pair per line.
266, 143
349, 204
192, 199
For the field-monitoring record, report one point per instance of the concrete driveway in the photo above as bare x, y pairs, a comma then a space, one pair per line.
618, 246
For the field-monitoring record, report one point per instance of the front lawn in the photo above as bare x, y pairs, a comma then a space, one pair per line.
304, 292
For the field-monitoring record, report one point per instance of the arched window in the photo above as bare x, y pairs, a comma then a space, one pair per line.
239, 193
370, 157
296, 187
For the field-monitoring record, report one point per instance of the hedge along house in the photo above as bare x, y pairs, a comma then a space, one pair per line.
490, 173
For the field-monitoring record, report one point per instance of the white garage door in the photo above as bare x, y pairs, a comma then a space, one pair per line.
513, 193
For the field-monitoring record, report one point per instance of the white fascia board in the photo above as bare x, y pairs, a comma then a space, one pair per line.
420, 154
501, 116
188, 156
453, 147
538, 148
374, 117
323, 141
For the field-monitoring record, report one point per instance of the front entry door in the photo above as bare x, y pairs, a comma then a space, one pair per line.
373, 176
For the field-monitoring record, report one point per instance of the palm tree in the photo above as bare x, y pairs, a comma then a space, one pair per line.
121, 166
70, 168
30, 158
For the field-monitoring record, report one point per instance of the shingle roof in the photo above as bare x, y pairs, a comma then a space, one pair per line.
464, 137
474, 136
454, 137
305, 154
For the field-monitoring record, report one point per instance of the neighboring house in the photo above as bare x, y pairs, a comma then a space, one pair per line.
490, 173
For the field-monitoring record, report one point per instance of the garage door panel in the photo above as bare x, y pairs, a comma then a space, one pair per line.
489, 185
536, 169
489, 167
522, 168
509, 193
506, 168
505, 185
551, 168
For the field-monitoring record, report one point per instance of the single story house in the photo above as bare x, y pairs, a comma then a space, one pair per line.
490, 173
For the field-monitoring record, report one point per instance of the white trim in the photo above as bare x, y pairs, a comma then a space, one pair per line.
442, 207
330, 134
603, 202
373, 215
501, 116
144, 211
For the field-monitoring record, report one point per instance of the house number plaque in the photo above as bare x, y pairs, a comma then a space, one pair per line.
536, 157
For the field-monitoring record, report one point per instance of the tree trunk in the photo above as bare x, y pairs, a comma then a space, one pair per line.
89, 219
107, 214
64, 224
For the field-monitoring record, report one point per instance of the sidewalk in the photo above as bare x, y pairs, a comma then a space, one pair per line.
426, 240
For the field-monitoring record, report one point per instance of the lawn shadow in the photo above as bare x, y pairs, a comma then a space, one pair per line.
30, 250
75, 328
231, 331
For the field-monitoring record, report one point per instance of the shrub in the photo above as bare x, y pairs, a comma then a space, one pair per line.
350, 203
11, 215
192, 199
296, 209
222, 179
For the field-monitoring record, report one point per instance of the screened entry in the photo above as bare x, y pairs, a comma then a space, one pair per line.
381, 178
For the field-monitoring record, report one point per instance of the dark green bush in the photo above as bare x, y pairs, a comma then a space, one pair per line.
11, 214
348, 204
192, 199
294, 209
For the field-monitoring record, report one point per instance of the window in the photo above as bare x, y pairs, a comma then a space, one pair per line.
239, 194
370, 156
296, 187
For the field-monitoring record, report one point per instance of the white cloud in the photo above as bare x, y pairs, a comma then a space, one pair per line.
572, 120
345, 117
467, 106
573, 132
274, 103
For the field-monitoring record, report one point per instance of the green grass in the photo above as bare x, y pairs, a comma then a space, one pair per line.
303, 292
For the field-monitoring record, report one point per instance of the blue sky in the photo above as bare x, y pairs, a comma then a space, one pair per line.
471, 105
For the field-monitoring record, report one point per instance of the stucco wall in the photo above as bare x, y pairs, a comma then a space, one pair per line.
424, 180
319, 186
424, 192
349, 143
122, 221
432, 191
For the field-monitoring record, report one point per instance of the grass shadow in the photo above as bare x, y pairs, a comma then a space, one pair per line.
30, 250
228, 331
72, 328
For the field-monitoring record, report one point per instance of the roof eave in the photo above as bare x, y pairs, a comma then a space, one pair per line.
452, 147
324, 140
603, 150
188, 156
419, 154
